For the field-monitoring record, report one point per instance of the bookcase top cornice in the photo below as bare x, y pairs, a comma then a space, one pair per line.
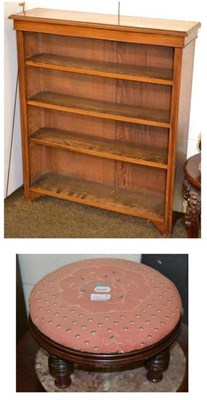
108, 21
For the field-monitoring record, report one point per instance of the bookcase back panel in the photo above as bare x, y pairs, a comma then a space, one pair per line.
137, 177
144, 95
71, 164
115, 173
103, 50
40, 163
148, 137
99, 127
43, 80
139, 94
100, 50
145, 55
142, 134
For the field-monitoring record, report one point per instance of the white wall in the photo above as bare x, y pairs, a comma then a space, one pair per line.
10, 77
174, 9
33, 267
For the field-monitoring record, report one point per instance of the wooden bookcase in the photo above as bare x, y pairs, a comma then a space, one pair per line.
104, 102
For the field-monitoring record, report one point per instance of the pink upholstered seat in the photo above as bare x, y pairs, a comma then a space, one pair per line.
105, 306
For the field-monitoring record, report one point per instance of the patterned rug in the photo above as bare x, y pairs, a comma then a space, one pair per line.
133, 380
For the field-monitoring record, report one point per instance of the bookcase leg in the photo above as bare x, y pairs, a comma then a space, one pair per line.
34, 196
163, 228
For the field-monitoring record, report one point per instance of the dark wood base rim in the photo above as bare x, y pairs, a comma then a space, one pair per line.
27, 379
103, 360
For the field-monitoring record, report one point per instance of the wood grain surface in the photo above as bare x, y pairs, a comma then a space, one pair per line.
99, 147
106, 69
96, 108
139, 24
137, 203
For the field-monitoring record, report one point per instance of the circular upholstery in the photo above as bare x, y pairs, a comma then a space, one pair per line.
105, 306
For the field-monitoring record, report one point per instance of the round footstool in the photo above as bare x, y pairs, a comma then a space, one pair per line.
105, 313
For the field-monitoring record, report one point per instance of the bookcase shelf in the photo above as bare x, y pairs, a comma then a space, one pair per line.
106, 69
99, 147
102, 109
103, 105
137, 203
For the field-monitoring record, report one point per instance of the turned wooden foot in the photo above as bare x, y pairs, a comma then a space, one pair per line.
157, 365
61, 370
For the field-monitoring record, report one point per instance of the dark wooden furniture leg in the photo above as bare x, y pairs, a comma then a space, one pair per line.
193, 210
192, 216
61, 370
192, 195
157, 365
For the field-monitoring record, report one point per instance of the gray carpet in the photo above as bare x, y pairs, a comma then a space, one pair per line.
54, 218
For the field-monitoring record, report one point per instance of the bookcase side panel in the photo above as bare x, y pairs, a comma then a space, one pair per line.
183, 122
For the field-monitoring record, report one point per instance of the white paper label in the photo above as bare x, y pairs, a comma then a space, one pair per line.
102, 289
100, 297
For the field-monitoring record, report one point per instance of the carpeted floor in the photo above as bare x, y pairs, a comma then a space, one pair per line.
54, 218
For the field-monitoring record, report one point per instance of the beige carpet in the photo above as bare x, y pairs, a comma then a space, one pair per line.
133, 380
54, 218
